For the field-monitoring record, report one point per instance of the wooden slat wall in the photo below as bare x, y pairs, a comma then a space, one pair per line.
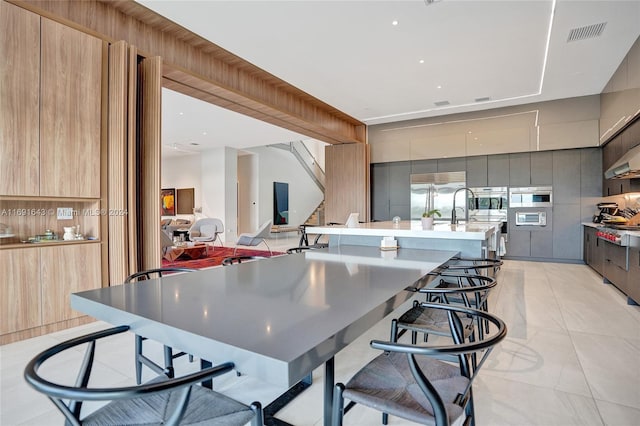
117, 163
347, 182
150, 79
230, 81
132, 162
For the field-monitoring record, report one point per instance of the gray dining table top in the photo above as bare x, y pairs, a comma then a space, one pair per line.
277, 318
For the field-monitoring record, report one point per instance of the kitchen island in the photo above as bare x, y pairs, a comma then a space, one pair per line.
477, 239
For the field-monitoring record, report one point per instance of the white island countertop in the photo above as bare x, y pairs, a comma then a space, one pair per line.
412, 229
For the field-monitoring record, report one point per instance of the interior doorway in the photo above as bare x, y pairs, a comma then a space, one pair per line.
247, 192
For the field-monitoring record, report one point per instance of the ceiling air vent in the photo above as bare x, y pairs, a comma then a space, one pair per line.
441, 103
485, 99
589, 31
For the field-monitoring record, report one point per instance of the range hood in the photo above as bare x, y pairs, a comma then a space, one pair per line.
627, 167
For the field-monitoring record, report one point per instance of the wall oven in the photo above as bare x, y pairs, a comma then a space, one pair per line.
489, 205
530, 218
488, 201
531, 196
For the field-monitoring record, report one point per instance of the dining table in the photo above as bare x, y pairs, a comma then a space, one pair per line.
277, 318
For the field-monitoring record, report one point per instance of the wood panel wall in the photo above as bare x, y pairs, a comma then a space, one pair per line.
70, 131
132, 163
347, 182
205, 70
150, 80
19, 101
117, 162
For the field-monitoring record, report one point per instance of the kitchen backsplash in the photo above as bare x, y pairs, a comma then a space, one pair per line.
630, 199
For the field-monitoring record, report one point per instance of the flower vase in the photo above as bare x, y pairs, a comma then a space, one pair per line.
427, 222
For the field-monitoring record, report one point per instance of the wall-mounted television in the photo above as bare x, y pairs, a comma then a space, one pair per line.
280, 203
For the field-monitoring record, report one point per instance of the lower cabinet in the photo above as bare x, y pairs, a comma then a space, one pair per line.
40, 280
633, 277
615, 265
525, 243
593, 250
530, 240
20, 296
620, 265
66, 270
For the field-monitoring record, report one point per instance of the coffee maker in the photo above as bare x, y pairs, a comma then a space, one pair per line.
605, 209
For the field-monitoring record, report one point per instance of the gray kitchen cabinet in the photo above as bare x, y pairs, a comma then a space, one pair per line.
530, 241
593, 250
542, 244
519, 243
498, 170
615, 265
633, 276
424, 166
477, 171
520, 169
452, 164
566, 231
380, 195
631, 136
590, 172
611, 152
541, 168
566, 177
400, 189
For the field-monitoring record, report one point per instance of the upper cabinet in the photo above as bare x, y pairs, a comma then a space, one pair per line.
19, 100
50, 107
620, 99
70, 105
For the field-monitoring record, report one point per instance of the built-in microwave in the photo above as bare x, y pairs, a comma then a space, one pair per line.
531, 218
531, 196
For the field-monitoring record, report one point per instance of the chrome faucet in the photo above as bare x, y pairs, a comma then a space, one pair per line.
454, 220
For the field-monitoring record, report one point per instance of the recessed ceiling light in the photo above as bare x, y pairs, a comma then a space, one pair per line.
181, 113
421, 61
469, 132
204, 133
438, 87
394, 22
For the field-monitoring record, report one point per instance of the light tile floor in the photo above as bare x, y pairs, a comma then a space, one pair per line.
571, 357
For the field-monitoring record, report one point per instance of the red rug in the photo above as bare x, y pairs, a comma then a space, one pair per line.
215, 258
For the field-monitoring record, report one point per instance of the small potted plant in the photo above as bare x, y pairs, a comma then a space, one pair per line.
427, 218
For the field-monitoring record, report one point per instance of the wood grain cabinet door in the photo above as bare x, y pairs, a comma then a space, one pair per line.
20, 302
19, 100
65, 270
70, 120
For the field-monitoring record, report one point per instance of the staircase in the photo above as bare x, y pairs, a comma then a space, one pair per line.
306, 159
317, 217
315, 172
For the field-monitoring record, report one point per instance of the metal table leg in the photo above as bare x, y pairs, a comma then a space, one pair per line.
328, 390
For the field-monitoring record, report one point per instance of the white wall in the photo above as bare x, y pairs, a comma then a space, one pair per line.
218, 179
214, 175
316, 148
278, 165
183, 172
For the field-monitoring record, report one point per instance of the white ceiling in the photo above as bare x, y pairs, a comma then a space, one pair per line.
349, 55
